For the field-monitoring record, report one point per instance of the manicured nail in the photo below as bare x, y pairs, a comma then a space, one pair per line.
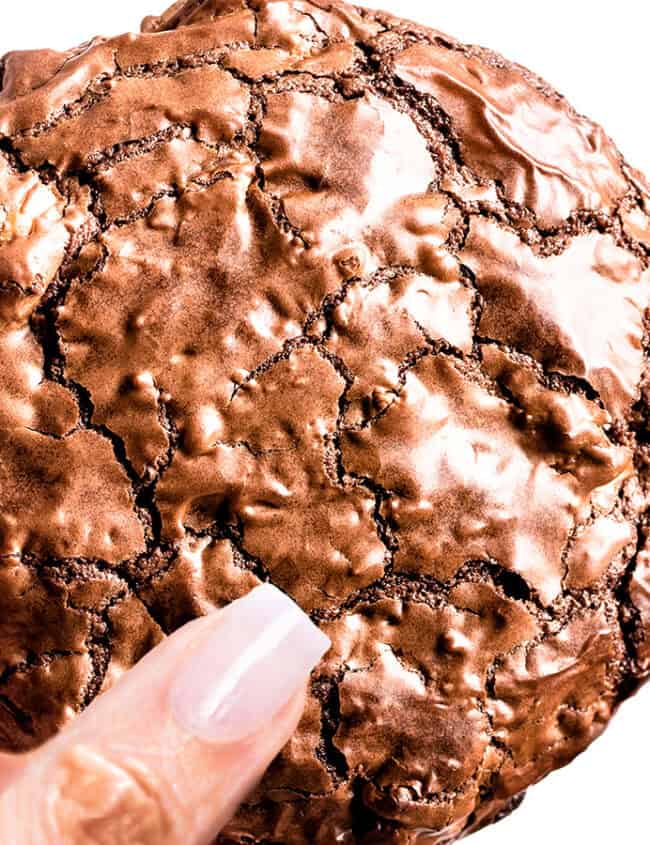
258, 656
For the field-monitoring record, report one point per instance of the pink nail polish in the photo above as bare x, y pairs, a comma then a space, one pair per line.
259, 654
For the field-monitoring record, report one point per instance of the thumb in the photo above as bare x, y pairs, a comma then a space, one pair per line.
167, 755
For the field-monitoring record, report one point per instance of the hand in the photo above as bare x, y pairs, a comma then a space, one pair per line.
167, 755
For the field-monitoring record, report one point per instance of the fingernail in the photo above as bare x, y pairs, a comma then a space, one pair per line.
259, 655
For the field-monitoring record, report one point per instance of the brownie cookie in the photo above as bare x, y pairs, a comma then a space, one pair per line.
302, 293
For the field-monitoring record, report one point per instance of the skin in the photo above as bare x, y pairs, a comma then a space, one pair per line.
125, 772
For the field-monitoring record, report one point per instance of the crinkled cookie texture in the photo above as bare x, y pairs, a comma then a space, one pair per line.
298, 292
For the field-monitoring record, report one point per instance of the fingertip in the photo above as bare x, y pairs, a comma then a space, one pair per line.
189, 732
253, 663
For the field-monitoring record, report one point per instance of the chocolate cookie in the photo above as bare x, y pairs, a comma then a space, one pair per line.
298, 292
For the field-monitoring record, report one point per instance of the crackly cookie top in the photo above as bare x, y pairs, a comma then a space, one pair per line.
298, 292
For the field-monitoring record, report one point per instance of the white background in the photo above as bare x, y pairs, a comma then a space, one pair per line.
595, 52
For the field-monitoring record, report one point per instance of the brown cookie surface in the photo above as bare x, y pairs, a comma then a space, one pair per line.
298, 292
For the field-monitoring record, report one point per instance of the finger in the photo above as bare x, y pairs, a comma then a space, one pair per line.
166, 756
11, 765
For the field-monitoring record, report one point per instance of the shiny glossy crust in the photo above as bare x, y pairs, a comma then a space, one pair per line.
291, 291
